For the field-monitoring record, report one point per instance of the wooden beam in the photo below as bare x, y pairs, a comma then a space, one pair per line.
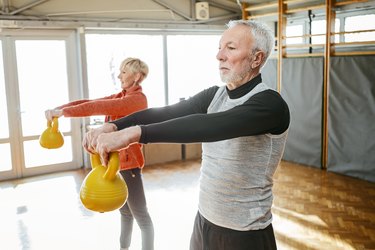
261, 6
245, 14
303, 45
291, 55
315, 7
306, 35
262, 15
281, 32
349, 2
354, 53
328, 51
295, 1
348, 44
352, 32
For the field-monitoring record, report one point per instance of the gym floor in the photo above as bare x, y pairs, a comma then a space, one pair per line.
313, 209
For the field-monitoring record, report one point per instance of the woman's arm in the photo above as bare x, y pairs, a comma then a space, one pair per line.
111, 107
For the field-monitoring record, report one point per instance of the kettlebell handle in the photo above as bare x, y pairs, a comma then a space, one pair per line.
54, 124
95, 160
113, 165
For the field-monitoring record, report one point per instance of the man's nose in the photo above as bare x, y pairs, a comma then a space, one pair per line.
220, 55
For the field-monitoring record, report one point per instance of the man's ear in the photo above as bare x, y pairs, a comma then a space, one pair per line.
258, 59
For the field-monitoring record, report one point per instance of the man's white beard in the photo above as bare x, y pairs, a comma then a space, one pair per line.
230, 78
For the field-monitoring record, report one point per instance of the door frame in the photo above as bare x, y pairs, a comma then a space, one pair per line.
74, 77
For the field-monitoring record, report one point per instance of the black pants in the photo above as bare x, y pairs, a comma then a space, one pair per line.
207, 236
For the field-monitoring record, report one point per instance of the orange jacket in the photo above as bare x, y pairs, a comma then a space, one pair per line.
114, 107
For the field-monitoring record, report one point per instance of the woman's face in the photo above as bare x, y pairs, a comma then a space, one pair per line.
128, 78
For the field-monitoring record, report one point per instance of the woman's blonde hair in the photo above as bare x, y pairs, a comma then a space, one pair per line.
135, 65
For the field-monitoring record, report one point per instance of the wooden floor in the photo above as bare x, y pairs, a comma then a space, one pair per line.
313, 209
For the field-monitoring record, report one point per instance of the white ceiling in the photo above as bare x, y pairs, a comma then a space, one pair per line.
141, 11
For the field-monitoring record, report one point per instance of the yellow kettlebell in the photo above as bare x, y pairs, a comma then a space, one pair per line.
104, 189
51, 136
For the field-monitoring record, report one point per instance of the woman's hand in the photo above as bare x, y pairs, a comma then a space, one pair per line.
50, 113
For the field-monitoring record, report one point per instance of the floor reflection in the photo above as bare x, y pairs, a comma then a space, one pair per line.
312, 210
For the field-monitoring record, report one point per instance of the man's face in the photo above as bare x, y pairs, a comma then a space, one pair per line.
235, 56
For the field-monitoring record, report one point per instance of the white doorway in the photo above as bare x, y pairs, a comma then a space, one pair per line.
38, 71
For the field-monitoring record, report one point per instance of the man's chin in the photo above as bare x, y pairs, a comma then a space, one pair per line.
225, 79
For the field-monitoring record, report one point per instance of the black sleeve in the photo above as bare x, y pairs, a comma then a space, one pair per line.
265, 112
196, 104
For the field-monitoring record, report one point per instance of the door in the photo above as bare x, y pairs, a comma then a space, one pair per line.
38, 71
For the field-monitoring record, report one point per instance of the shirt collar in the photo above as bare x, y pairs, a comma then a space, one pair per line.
245, 88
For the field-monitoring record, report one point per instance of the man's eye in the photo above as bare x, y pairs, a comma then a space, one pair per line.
231, 48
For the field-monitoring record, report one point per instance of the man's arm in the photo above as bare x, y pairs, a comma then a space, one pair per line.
265, 112
196, 104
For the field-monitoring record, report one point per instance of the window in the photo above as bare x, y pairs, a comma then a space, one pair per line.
104, 56
42, 68
319, 27
36, 76
294, 30
358, 23
192, 64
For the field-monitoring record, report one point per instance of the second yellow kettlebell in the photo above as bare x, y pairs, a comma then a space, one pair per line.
104, 189
51, 136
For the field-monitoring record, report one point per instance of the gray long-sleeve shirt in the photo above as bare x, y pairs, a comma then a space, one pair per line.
236, 174
243, 132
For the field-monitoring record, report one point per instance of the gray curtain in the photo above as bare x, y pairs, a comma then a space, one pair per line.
302, 81
351, 144
351, 114
269, 73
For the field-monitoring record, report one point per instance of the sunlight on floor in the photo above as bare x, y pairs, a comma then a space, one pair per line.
49, 215
173, 204
292, 234
44, 213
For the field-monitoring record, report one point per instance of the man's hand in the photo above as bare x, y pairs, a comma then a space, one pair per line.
113, 141
89, 141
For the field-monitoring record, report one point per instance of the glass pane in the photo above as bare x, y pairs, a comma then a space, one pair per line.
364, 22
4, 127
294, 30
319, 27
105, 54
192, 65
42, 77
5, 159
36, 156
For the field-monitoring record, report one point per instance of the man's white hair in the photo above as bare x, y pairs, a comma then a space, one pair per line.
263, 36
